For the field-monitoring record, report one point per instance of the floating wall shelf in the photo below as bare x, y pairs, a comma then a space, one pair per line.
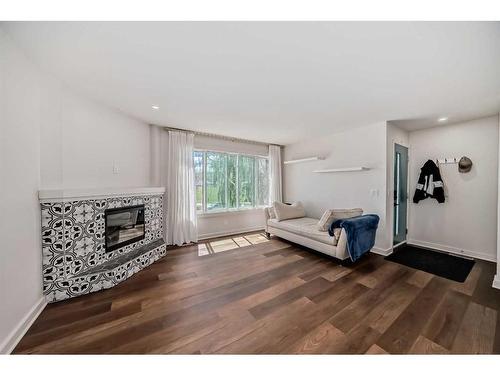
351, 169
313, 158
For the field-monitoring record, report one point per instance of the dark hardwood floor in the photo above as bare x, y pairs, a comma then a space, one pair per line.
275, 297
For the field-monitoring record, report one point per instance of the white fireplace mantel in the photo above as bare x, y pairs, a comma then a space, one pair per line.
52, 195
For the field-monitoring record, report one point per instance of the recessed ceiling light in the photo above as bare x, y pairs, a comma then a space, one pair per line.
442, 119
155, 107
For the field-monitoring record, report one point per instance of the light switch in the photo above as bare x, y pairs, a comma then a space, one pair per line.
116, 168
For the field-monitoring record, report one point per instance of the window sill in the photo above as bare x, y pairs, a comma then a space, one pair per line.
231, 212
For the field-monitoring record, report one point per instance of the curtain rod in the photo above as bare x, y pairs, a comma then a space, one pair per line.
227, 138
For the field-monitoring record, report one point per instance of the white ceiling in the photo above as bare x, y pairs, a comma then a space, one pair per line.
277, 81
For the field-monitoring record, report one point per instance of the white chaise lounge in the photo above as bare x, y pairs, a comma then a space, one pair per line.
304, 231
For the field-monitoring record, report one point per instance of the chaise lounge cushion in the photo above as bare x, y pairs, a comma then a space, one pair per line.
288, 211
306, 227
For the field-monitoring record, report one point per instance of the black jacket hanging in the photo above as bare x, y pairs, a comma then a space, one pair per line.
429, 183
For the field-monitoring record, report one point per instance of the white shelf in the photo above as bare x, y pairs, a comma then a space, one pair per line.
313, 158
351, 169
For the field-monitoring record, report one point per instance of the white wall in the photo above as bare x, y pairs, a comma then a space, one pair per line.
81, 141
84, 141
20, 255
467, 222
221, 224
496, 282
50, 138
365, 146
155, 133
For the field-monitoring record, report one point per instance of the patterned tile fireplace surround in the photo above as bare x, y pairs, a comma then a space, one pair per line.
75, 261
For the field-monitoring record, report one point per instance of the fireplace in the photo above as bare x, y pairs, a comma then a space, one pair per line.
124, 226
88, 245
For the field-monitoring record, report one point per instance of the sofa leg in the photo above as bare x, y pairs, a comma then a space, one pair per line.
346, 262
268, 235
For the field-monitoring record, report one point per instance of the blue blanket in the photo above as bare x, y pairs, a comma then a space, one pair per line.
360, 232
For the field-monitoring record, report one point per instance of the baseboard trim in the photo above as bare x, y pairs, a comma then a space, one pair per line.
453, 250
399, 244
496, 282
383, 252
22, 327
207, 236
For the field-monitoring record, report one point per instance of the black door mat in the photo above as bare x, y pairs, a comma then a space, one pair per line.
440, 264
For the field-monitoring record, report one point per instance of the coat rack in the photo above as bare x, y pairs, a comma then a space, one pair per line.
447, 161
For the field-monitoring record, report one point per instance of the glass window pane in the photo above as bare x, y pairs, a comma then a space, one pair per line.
198, 179
246, 179
231, 181
262, 182
215, 175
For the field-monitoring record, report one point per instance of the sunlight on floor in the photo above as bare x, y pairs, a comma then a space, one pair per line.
213, 247
256, 238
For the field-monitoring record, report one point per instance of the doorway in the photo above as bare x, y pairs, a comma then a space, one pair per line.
400, 194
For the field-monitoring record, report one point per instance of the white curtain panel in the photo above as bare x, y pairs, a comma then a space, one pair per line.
181, 203
275, 173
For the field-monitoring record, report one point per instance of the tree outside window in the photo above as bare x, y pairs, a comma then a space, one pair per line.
228, 181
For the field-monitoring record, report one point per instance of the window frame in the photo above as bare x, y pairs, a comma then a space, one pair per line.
204, 205
226, 210
203, 182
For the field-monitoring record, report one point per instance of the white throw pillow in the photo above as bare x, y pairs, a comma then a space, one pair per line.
287, 211
346, 213
270, 211
331, 215
325, 221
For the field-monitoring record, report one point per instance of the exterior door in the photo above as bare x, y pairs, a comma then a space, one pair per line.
400, 193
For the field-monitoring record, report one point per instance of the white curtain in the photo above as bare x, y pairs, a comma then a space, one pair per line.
181, 204
275, 173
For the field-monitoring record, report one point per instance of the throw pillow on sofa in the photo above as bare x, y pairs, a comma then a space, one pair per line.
331, 215
336, 233
288, 211
270, 212
325, 221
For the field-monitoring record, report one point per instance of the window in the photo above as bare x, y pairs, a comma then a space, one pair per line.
232, 181
246, 181
215, 181
226, 181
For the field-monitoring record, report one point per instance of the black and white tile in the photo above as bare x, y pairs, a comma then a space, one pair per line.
73, 245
